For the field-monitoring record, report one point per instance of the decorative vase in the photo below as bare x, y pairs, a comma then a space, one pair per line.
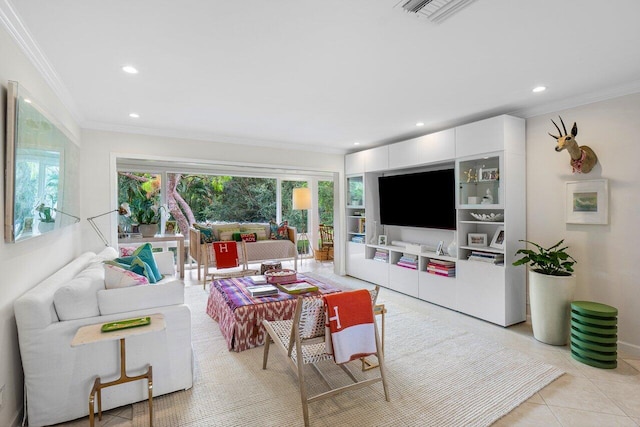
452, 249
550, 303
44, 227
148, 230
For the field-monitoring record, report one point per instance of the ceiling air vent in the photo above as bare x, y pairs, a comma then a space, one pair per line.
434, 10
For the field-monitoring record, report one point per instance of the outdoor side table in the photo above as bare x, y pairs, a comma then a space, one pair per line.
92, 334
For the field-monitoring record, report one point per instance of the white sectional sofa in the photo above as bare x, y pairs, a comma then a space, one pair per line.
58, 377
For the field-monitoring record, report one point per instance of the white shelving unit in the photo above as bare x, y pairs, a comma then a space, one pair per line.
493, 152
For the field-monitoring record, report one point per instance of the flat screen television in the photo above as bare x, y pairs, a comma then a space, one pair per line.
403, 199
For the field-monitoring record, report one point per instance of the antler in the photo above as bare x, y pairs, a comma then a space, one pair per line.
559, 132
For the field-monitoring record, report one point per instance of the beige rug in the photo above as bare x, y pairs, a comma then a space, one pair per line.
437, 376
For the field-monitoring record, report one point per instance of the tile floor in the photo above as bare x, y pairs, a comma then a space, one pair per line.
584, 396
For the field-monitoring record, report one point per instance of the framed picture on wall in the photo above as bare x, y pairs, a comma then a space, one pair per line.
587, 202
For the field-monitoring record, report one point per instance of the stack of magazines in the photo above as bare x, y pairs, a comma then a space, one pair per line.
408, 261
381, 255
441, 267
489, 257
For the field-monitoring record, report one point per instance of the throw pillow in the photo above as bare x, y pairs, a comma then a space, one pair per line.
227, 234
118, 277
248, 237
127, 250
261, 233
145, 253
282, 233
206, 233
274, 229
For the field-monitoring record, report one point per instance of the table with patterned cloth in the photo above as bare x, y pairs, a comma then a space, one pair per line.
240, 315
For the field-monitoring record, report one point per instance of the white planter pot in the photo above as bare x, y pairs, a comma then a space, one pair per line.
148, 230
550, 303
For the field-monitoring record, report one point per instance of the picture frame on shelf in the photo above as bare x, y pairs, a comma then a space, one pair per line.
382, 240
478, 240
439, 248
587, 202
497, 241
488, 174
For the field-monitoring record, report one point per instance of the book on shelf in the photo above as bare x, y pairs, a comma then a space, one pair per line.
440, 267
262, 290
492, 258
441, 262
439, 272
357, 239
361, 225
405, 264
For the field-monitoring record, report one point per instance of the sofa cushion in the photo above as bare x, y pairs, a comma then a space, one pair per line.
118, 277
206, 233
247, 237
78, 298
259, 230
122, 300
141, 262
281, 231
227, 234
165, 262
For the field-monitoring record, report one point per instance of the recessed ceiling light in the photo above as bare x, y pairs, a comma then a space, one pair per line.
539, 89
134, 115
356, 143
130, 69
419, 124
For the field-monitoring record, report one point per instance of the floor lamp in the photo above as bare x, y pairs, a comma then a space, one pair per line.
302, 201
122, 210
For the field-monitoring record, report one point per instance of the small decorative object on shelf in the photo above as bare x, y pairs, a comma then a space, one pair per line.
471, 175
452, 249
382, 240
477, 239
487, 199
489, 174
439, 248
492, 217
498, 239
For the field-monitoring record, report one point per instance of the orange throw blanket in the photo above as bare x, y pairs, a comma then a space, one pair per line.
350, 330
226, 254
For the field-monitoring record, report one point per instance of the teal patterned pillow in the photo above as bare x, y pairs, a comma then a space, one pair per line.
206, 234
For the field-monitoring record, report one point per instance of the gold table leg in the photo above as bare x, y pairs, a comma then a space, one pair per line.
378, 309
96, 390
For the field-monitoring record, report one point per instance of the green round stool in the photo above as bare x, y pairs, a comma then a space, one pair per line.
594, 328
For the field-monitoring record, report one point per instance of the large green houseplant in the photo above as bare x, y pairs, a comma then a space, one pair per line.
551, 288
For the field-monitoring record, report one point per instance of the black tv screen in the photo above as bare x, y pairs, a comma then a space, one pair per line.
403, 199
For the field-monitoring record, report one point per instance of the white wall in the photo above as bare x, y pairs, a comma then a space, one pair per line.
608, 261
26, 263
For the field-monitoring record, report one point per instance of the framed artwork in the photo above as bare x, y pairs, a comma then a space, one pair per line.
170, 227
439, 248
488, 174
477, 239
382, 240
587, 202
498, 238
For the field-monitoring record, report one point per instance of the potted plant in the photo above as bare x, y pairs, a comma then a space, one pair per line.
551, 287
146, 212
47, 221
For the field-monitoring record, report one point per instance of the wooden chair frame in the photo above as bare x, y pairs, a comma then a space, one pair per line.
302, 340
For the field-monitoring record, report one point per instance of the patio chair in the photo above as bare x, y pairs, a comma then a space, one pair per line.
227, 262
302, 339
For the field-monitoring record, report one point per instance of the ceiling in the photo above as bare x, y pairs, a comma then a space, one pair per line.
322, 75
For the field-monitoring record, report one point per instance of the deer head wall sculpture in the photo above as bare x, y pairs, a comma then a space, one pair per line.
583, 158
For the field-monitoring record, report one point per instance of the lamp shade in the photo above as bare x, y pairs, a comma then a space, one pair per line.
302, 198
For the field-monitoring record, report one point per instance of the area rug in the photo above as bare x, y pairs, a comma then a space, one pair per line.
437, 376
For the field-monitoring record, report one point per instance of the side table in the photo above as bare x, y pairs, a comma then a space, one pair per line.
92, 334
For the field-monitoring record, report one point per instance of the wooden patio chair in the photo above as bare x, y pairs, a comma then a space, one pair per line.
326, 237
302, 339
227, 262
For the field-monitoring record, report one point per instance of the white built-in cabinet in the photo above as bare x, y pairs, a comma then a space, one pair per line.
489, 161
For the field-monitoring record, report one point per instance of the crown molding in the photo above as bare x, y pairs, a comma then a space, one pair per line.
12, 22
209, 137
